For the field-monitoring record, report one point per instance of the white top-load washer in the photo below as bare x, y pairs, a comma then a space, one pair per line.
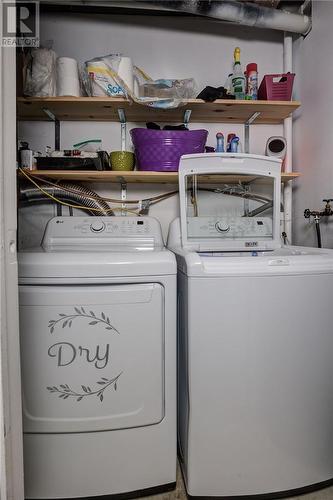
98, 350
255, 336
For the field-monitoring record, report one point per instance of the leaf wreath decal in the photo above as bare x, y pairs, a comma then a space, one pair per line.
64, 391
67, 319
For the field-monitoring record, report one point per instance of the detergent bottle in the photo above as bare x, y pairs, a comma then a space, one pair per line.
219, 143
238, 80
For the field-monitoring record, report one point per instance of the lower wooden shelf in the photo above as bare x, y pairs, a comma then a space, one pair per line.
132, 177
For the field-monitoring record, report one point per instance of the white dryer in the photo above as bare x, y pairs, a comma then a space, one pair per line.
255, 336
98, 351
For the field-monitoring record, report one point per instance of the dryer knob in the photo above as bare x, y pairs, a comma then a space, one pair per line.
97, 226
222, 227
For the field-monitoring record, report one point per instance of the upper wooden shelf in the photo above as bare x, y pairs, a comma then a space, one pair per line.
136, 176
106, 109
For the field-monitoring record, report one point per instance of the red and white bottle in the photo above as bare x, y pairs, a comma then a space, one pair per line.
252, 81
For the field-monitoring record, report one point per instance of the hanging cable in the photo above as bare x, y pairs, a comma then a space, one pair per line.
318, 232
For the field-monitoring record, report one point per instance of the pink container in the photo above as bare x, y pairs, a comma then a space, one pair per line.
278, 87
160, 150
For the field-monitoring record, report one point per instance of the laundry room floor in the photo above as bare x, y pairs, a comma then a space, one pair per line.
179, 493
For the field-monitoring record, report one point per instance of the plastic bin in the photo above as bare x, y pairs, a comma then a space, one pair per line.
278, 87
160, 150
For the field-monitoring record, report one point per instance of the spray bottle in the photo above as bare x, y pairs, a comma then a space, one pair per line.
219, 143
252, 81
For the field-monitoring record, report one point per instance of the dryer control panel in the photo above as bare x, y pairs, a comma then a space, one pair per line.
80, 233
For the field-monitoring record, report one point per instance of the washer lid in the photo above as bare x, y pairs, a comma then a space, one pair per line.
288, 260
229, 202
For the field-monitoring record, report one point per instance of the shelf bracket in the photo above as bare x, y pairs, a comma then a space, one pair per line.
56, 128
247, 131
123, 194
187, 116
145, 206
123, 125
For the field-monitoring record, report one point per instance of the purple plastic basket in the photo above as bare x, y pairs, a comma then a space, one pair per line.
160, 150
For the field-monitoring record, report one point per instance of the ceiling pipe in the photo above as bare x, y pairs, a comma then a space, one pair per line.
242, 13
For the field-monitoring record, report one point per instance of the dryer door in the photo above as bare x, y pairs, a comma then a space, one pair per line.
92, 356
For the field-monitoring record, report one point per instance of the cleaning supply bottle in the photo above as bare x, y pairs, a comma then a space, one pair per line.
26, 156
238, 79
219, 143
252, 81
229, 139
234, 145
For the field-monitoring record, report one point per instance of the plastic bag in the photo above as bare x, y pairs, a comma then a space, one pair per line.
90, 145
169, 89
101, 73
114, 76
40, 76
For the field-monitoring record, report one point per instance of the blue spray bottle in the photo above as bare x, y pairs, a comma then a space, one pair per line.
219, 143
234, 145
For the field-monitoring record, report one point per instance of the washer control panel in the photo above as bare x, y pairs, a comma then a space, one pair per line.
81, 232
233, 227
97, 227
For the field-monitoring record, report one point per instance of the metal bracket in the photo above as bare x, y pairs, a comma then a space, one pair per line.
247, 131
56, 128
123, 194
187, 116
145, 205
246, 201
123, 125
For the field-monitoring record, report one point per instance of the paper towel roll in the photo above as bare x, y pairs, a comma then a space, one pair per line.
125, 71
68, 83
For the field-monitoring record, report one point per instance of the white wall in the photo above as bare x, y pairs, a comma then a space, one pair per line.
163, 47
313, 125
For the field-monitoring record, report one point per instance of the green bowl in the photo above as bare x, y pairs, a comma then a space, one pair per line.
122, 160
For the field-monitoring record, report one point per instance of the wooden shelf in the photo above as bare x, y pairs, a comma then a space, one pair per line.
136, 176
106, 109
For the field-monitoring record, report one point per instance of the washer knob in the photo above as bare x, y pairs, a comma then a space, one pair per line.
222, 227
97, 226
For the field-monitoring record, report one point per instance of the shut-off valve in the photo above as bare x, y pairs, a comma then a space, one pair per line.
318, 214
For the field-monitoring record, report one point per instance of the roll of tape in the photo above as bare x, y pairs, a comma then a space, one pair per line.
276, 146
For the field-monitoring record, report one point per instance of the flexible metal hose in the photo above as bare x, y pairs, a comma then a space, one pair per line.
79, 195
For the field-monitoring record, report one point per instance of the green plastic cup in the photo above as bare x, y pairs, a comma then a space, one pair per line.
122, 160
